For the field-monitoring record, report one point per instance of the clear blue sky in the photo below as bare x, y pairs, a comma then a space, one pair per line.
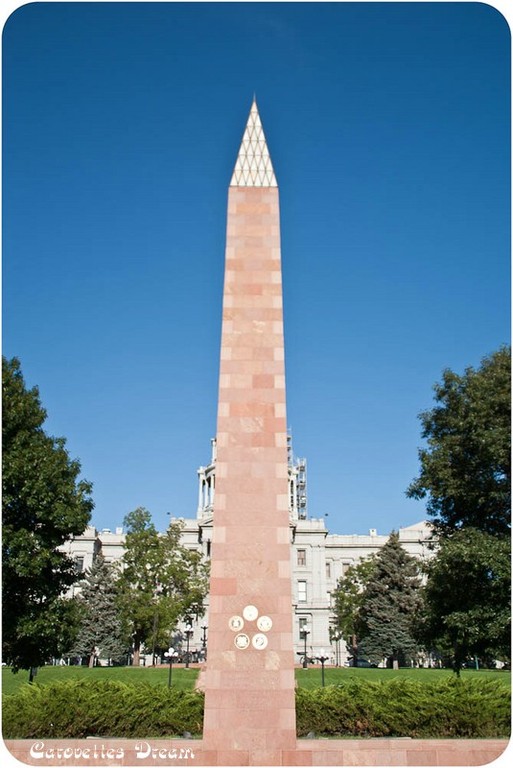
388, 126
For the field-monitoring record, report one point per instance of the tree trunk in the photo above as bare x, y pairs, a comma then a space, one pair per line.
91, 659
354, 650
137, 653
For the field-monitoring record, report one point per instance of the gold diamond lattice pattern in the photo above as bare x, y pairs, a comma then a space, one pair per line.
253, 167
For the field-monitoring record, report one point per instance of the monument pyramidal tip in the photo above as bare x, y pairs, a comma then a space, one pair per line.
253, 167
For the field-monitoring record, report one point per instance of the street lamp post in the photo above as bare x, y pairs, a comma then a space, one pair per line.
336, 636
170, 653
188, 635
323, 659
306, 632
204, 642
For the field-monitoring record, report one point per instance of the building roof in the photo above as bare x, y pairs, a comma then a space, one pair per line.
253, 167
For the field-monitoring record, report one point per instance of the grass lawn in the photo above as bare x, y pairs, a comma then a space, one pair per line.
181, 679
184, 679
312, 677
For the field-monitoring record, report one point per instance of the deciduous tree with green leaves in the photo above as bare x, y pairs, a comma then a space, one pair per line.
389, 606
44, 504
100, 631
466, 467
348, 602
466, 476
467, 605
160, 582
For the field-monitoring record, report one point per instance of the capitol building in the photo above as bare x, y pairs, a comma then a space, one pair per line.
319, 559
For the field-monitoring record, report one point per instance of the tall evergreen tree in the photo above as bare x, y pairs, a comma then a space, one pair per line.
100, 632
44, 504
389, 604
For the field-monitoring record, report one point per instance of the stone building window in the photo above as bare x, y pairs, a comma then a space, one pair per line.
301, 557
328, 570
303, 622
301, 592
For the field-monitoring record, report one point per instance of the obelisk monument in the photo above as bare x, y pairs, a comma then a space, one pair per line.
249, 680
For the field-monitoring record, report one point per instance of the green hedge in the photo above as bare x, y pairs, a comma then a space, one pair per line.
450, 708
78, 708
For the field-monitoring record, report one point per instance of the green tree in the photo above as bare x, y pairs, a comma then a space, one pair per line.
466, 476
466, 467
44, 504
349, 596
100, 631
467, 604
389, 605
160, 582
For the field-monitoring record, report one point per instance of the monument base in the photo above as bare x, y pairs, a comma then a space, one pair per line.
312, 752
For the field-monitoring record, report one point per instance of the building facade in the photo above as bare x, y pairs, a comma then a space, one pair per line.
319, 559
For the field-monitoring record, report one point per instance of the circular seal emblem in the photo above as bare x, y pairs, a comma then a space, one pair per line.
236, 623
241, 641
259, 641
264, 623
250, 613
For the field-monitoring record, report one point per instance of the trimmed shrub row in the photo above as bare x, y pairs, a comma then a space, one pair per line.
75, 709
450, 708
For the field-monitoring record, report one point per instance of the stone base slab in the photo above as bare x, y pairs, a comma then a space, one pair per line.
309, 752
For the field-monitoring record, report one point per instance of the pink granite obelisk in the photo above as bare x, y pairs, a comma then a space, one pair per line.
249, 680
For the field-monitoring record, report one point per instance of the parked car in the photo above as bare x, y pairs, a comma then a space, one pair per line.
360, 663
